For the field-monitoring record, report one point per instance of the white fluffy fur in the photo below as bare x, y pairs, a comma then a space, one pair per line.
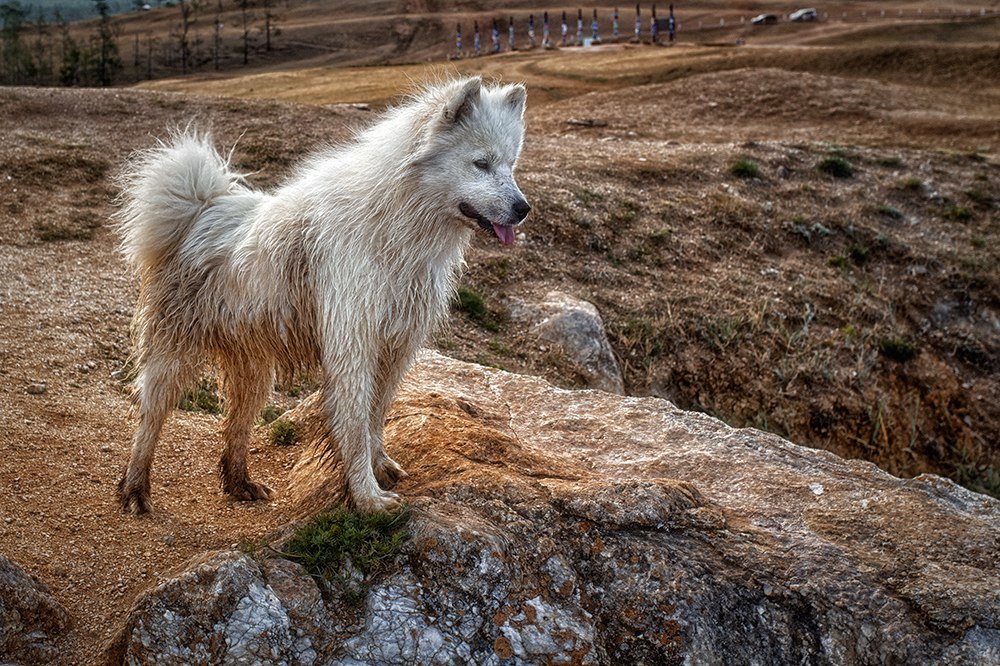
346, 266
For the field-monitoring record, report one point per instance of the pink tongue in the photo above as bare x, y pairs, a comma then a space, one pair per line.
504, 233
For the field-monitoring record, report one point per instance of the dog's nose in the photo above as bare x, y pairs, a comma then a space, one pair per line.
521, 210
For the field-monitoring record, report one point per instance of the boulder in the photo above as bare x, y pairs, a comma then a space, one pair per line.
580, 527
31, 620
574, 330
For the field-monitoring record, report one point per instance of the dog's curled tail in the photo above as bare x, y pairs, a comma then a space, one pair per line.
163, 190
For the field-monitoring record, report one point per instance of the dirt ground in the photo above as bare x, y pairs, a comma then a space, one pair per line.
783, 301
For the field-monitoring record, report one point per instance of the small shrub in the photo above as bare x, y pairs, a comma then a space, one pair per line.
898, 349
891, 212
283, 433
202, 398
890, 162
745, 167
913, 184
957, 213
342, 546
589, 197
661, 237
979, 197
626, 214
859, 254
839, 261
836, 166
269, 414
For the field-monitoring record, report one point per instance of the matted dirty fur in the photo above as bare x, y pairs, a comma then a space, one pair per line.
346, 267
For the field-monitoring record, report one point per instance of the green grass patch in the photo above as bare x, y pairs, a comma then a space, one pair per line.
957, 213
661, 237
589, 197
840, 261
890, 212
471, 303
836, 166
283, 433
979, 197
269, 414
348, 548
898, 349
202, 398
890, 162
859, 254
745, 167
626, 213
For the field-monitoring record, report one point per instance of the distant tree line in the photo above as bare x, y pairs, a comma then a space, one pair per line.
37, 50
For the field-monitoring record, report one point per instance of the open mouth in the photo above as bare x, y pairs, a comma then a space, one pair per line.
504, 232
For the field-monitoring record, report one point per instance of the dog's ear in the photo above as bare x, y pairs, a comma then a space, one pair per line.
517, 96
461, 102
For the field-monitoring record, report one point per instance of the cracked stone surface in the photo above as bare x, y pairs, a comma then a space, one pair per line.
580, 527
30, 618
574, 329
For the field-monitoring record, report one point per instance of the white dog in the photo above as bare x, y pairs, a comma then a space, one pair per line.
345, 267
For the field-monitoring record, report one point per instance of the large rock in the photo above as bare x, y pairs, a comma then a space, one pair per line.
31, 620
574, 330
554, 526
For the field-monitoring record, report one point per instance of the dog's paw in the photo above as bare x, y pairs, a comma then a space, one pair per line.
385, 502
250, 491
388, 473
134, 497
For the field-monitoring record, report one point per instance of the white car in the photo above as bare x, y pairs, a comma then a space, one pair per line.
803, 15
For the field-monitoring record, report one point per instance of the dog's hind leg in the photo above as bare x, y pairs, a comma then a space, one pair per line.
246, 383
158, 388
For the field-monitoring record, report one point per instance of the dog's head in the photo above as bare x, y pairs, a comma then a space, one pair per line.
473, 142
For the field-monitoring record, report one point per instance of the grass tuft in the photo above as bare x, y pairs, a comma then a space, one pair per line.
283, 433
471, 303
898, 349
269, 414
347, 548
745, 167
202, 398
891, 212
836, 166
957, 213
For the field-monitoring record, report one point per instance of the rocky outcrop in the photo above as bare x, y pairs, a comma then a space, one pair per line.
31, 620
574, 331
554, 526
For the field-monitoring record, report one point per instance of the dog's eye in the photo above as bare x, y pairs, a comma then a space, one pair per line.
482, 165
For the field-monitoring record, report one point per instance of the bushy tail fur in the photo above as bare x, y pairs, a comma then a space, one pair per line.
163, 190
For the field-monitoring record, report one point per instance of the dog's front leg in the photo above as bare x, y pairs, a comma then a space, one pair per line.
347, 396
